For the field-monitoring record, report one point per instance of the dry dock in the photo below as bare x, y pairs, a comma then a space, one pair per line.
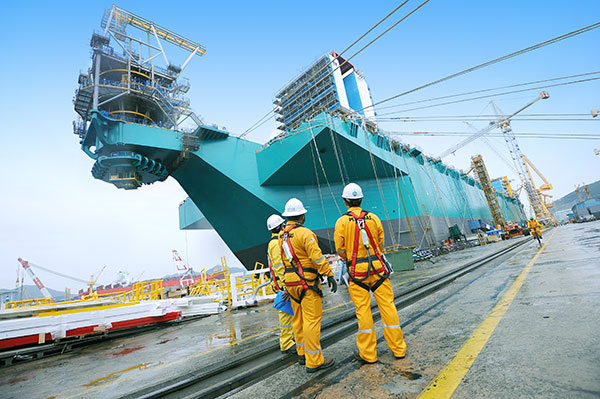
523, 325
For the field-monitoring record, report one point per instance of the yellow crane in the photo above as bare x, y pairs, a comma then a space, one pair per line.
544, 187
93, 280
488, 191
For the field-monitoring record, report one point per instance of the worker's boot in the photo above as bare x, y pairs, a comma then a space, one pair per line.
329, 361
359, 358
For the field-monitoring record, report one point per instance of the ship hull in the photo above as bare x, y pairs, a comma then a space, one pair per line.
236, 184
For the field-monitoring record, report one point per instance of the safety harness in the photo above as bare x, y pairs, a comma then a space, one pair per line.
382, 273
273, 276
296, 267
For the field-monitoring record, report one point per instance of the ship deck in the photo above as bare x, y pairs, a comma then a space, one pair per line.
535, 351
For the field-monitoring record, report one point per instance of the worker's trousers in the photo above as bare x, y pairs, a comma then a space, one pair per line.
307, 325
286, 339
366, 340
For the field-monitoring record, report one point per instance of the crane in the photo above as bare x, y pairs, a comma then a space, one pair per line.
488, 191
539, 208
544, 187
93, 280
27, 266
504, 120
186, 276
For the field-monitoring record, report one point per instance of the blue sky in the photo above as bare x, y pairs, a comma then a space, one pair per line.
55, 214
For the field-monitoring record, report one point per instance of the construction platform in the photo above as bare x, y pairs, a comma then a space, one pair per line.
523, 325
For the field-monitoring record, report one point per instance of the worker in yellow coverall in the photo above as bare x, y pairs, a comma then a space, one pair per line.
304, 265
275, 224
534, 227
367, 272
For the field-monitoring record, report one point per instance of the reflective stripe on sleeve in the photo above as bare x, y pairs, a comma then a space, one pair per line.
312, 352
367, 331
277, 265
300, 344
286, 326
394, 326
318, 260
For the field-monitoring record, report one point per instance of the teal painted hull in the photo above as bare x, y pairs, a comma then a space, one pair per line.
236, 184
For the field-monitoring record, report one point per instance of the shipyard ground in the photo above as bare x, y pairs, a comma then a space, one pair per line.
536, 311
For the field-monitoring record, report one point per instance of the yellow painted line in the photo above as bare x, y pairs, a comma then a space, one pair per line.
446, 382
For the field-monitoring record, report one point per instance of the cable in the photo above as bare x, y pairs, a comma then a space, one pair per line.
309, 81
523, 134
322, 69
488, 63
484, 116
397, 120
489, 96
491, 89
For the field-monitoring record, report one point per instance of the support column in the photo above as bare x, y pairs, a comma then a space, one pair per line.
96, 79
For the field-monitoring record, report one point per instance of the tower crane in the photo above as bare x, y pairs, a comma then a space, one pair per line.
539, 208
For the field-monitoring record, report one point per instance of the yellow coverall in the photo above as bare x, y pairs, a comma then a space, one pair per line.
366, 340
286, 340
307, 314
534, 227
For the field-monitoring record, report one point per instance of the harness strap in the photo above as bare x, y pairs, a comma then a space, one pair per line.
360, 219
273, 277
304, 269
299, 270
303, 293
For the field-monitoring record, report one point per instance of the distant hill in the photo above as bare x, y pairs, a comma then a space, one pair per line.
31, 291
571, 199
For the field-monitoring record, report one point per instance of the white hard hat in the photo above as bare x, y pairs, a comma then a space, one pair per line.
352, 191
294, 207
274, 221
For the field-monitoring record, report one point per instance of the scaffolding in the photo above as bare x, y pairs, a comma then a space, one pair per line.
488, 191
320, 88
125, 84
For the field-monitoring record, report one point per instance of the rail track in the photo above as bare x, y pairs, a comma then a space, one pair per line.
253, 365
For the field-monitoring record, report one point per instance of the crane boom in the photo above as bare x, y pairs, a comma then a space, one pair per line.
57, 273
35, 278
117, 18
493, 125
488, 191
547, 185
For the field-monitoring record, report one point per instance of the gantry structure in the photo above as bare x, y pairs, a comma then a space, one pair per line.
125, 83
124, 80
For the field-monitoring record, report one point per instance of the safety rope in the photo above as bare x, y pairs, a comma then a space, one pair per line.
335, 150
383, 202
415, 198
394, 155
320, 193
323, 168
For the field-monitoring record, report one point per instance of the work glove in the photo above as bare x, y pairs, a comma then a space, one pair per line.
332, 284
